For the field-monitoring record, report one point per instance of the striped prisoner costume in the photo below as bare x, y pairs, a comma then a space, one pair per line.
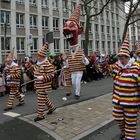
43, 87
13, 83
126, 98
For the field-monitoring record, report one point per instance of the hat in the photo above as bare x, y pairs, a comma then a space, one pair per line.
75, 16
138, 47
125, 48
11, 55
43, 50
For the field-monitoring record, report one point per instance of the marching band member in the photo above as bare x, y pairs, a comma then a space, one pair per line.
76, 57
13, 76
126, 74
43, 74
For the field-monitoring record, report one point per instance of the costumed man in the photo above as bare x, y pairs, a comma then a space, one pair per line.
13, 76
76, 57
126, 75
43, 74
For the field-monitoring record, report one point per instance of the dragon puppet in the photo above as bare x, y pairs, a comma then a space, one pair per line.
76, 58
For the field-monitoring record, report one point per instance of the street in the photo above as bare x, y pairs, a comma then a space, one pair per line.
11, 128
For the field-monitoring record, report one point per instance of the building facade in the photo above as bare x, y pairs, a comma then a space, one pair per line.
23, 24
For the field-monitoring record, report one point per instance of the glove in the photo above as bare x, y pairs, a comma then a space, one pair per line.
40, 78
8, 77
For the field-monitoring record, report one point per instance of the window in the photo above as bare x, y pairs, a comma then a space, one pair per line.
113, 30
55, 4
55, 24
112, 16
82, 44
90, 44
5, 46
82, 10
65, 5
109, 49
117, 17
56, 45
20, 43
20, 1
32, 2
118, 31
33, 21
66, 46
96, 28
35, 44
45, 22
64, 20
114, 46
107, 14
4, 17
103, 46
102, 28
90, 27
97, 46
108, 29
82, 24
44, 3
20, 20
73, 5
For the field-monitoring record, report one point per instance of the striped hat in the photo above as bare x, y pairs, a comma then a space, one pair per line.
43, 50
125, 48
138, 47
75, 16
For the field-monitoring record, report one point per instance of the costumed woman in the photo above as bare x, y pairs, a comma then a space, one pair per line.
43, 75
126, 75
76, 58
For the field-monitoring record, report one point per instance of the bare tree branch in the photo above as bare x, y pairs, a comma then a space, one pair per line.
134, 21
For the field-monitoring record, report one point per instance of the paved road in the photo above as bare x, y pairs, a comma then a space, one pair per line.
91, 90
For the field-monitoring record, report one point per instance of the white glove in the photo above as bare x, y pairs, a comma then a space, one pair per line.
40, 78
8, 77
85, 61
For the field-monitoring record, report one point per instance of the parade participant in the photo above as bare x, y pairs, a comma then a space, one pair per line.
43, 74
76, 57
13, 76
126, 74
66, 76
138, 53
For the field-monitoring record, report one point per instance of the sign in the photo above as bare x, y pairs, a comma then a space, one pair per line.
48, 37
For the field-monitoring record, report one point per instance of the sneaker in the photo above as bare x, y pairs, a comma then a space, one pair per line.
77, 97
68, 94
8, 108
51, 111
38, 119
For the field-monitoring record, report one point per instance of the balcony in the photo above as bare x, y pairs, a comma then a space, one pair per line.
4, 4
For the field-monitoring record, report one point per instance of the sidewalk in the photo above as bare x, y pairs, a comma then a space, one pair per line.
76, 121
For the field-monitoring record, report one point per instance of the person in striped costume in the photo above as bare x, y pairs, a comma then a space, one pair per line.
76, 57
43, 74
125, 98
138, 53
13, 76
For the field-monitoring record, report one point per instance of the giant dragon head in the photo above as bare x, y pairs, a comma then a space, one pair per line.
72, 28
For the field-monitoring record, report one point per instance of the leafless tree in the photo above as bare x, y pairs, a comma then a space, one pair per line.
132, 15
89, 6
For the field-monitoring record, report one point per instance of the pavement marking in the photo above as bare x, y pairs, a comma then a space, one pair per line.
12, 114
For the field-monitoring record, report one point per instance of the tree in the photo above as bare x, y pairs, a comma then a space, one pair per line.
89, 5
132, 15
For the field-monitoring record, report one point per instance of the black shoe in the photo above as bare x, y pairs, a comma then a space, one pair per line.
7, 109
20, 104
68, 94
38, 119
77, 97
51, 111
122, 137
